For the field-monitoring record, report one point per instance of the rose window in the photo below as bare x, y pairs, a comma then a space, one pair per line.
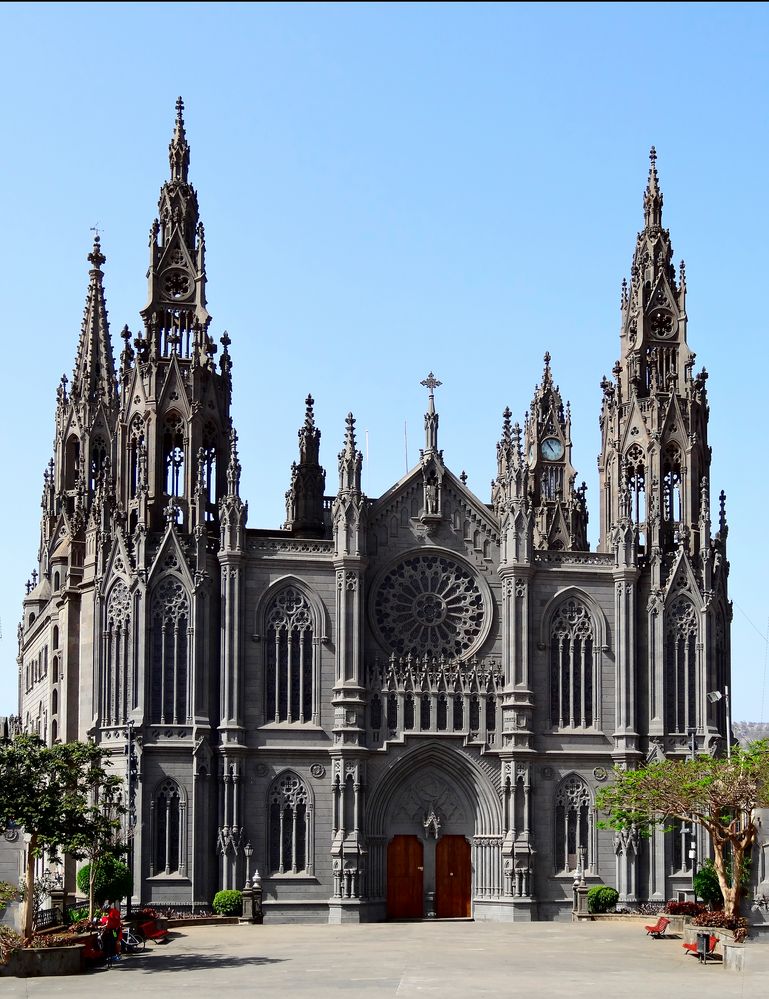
177, 284
430, 604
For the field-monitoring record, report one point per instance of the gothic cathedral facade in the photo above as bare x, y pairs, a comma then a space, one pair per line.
401, 706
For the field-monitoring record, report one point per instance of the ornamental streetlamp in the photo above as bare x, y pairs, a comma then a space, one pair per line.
248, 850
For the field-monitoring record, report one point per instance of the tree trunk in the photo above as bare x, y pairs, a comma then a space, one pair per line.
29, 899
91, 883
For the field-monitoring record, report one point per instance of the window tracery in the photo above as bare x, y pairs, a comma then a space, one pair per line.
681, 664
170, 611
291, 652
290, 831
169, 830
571, 666
573, 824
117, 683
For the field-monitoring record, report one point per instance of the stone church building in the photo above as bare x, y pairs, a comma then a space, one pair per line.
393, 706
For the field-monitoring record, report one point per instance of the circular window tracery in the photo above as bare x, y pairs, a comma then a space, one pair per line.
430, 603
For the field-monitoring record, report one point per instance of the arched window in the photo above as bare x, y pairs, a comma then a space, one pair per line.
636, 486
137, 457
71, 462
671, 478
290, 657
290, 830
207, 471
173, 456
117, 681
681, 665
97, 462
573, 824
571, 666
55, 702
169, 826
170, 613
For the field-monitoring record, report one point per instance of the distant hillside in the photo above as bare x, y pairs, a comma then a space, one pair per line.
746, 732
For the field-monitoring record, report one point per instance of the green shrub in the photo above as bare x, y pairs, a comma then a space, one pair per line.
7, 893
228, 903
601, 898
113, 880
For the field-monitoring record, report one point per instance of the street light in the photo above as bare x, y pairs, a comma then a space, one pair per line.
714, 696
249, 852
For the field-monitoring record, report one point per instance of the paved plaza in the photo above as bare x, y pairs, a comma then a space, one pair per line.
443, 959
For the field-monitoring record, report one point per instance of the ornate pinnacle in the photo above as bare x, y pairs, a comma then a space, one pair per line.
179, 150
653, 195
96, 257
506, 415
350, 444
233, 469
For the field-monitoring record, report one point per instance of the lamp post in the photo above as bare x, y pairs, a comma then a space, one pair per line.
248, 850
713, 697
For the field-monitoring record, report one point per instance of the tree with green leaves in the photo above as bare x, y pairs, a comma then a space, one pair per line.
721, 795
63, 797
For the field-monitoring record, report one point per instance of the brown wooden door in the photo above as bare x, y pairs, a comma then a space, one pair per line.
452, 877
405, 869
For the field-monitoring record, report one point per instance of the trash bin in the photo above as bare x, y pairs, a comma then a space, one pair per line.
703, 941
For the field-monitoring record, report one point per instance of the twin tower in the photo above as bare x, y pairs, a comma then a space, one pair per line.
394, 706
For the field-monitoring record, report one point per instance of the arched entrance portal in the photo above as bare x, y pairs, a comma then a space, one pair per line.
434, 835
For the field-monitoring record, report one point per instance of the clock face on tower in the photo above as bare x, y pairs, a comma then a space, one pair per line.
552, 449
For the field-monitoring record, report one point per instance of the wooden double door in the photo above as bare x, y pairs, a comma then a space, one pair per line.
449, 876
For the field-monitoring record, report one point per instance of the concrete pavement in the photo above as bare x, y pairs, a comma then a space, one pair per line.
444, 959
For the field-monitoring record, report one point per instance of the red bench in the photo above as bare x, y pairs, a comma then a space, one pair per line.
658, 929
691, 948
151, 931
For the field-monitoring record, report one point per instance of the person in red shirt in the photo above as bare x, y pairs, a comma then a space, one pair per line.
112, 932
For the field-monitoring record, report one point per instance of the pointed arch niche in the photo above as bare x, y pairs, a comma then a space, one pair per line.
118, 674
574, 633
574, 825
168, 826
681, 655
290, 830
291, 623
170, 645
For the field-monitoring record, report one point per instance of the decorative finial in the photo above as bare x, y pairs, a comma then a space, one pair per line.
180, 110
547, 358
96, 257
349, 434
652, 154
506, 424
309, 415
653, 195
463, 477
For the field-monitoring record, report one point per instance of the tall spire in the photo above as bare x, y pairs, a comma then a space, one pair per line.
94, 376
350, 460
653, 195
175, 315
178, 149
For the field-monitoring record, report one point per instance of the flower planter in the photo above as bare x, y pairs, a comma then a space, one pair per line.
37, 962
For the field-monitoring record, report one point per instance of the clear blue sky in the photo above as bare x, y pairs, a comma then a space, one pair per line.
389, 189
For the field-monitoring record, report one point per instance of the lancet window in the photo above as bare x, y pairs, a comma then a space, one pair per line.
72, 462
207, 471
671, 479
170, 614
98, 459
636, 484
173, 455
118, 679
573, 825
169, 828
291, 650
135, 456
290, 829
681, 665
571, 666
